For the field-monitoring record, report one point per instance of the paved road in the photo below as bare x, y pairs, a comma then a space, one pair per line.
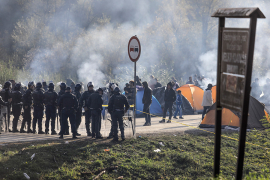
156, 127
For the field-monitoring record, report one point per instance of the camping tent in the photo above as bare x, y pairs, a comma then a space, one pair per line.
186, 106
155, 107
194, 95
214, 93
232, 118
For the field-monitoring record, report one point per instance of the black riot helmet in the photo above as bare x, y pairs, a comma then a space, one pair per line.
51, 86
7, 85
78, 87
100, 90
116, 90
39, 85
31, 83
17, 86
63, 86
90, 84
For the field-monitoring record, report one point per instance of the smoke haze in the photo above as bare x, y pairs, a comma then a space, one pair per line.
87, 40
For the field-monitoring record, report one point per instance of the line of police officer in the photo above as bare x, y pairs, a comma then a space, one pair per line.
68, 105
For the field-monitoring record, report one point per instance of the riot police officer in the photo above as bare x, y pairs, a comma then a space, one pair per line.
112, 86
38, 98
62, 92
116, 108
83, 103
77, 94
100, 91
27, 103
69, 104
16, 96
1, 116
5, 94
95, 105
50, 101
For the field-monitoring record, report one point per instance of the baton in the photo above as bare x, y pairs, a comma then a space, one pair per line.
8, 110
57, 120
6, 122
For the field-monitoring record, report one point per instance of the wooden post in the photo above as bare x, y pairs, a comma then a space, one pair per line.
244, 119
218, 106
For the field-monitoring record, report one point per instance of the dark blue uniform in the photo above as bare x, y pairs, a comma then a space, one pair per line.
69, 104
38, 98
83, 103
62, 92
50, 101
27, 103
78, 95
116, 109
16, 96
95, 105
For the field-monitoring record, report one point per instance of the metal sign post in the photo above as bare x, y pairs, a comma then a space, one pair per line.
134, 108
134, 52
234, 71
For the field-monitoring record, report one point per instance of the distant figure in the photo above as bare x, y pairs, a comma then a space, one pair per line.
196, 82
255, 89
138, 81
169, 99
175, 84
207, 99
178, 105
157, 84
147, 101
190, 81
152, 82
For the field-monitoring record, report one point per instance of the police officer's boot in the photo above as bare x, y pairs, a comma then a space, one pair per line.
110, 135
29, 130
61, 136
22, 131
122, 136
40, 127
53, 132
67, 130
89, 133
40, 131
22, 127
162, 121
34, 129
93, 135
74, 136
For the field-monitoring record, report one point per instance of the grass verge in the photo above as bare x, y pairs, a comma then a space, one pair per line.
188, 156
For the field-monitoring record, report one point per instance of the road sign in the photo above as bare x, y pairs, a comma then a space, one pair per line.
134, 49
233, 67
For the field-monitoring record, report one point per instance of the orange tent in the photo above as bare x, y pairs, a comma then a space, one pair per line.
214, 93
231, 118
193, 94
228, 118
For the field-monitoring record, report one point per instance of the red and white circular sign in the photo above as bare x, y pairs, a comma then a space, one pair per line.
134, 49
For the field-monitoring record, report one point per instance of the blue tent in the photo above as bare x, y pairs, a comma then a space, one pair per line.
155, 107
